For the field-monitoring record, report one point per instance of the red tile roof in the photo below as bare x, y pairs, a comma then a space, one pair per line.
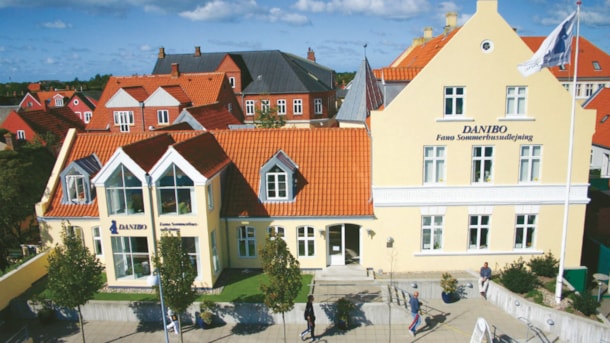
213, 116
54, 120
204, 153
198, 88
396, 73
601, 102
148, 151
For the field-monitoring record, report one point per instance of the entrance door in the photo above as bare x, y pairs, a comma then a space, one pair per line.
336, 245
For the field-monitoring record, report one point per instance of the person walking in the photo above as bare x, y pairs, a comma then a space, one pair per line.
485, 276
415, 312
173, 318
310, 317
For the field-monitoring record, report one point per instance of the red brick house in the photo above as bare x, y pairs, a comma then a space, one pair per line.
44, 100
82, 105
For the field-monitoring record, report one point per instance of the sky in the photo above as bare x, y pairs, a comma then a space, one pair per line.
76, 39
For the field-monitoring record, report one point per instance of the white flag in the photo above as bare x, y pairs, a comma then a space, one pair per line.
554, 51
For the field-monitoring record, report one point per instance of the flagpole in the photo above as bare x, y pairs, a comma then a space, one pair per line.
566, 204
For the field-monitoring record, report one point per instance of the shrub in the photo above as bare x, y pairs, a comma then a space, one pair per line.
448, 283
517, 278
585, 303
546, 265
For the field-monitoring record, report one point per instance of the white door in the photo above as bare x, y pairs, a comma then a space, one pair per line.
336, 245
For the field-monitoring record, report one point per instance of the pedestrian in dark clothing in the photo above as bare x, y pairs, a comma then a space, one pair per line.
415, 312
485, 276
310, 317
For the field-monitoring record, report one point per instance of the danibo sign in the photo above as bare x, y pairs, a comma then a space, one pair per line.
485, 133
115, 228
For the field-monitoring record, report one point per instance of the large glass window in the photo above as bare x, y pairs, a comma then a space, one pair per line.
124, 192
210, 196
276, 183
265, 106
529, 163
434, 164
191, 246
524, 231
281, 107
277, 230
131, 257
97, 241
77, 191
246, 241
176, 191
432, 232
250, 107
215, 260
482, 163
515, 101
454, 101
478, 232
297, 106
123, 119
163, 116
306, 241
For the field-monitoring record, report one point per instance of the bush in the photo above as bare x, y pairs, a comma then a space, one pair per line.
517, 278
585, 303
546, 265
448, 283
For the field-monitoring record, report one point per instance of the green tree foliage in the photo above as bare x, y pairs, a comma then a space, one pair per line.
344, 78
75, 274
284, 273
517, 278
267, 118
585, 303
23, 177
177, 274
546, 265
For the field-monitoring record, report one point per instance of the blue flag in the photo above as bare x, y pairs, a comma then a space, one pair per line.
554, 50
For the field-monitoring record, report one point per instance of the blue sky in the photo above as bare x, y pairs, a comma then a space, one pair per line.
68, 39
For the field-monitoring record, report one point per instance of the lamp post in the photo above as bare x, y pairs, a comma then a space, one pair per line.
156, 278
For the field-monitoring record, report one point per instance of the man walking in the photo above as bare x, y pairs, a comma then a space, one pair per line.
310, 317
415, 312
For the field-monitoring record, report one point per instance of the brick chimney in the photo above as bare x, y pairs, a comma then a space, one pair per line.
427, 33
161, 53
197, 51
450, 21
311, 55
8, 138
175, 70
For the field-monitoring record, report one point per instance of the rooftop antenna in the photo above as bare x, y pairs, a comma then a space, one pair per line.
365, 45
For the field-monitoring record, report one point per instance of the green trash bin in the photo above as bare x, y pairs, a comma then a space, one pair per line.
577, 277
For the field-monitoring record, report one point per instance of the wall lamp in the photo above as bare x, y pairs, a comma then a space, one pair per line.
413, 284
517, 303
370, 232
390, 241
469, 284
322, 232
550, 322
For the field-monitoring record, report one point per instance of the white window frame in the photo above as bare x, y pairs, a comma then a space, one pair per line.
194, 256
454, 103
265, 105
232, 81
516, 101
277, 184
482, 163
215, 259
431, 226
210, 196
297, 106
525, 231
317, 106
118, 196
59, 102
434, 164
530, 160
479, 225
176, 191
306, 241
76, 187
163, 117
246, 242
279, 231
281, 107
250, 107
127, 257
87, 117
589, 87
123, 119
98, 247
20, 135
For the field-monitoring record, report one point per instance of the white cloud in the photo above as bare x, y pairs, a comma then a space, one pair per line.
398, 9
220, 10
57, 24
49, 60
278, 15
145, 47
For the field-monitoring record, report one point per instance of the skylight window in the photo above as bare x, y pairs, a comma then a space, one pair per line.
604, 118
596, 65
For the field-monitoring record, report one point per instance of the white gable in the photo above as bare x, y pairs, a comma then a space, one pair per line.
173, 156
161, 97
119, 157
122, 99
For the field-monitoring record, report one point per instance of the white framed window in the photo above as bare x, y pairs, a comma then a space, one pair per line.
163, 116
76, 189
529, 163
232, 81
215, 259
123, 119
97, 241
566, 86
578, 87
250, 108
432, 232
131, 257
276, 184
124, 192
210, 196
277, 230
176, 192
589, 89
265, 106
434, 164
478, 232
246, 241
191, 246
297, 106
281, 107
59, 102
87, 118
20, 134
525, 228
516, 101
317, 106
596, 65
482, 164
306, 241
454, 101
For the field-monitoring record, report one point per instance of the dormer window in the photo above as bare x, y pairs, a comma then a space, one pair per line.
76, 180
124, 192
59, 102
278, 178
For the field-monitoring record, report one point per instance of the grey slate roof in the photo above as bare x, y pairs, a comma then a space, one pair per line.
363, 96
267, 71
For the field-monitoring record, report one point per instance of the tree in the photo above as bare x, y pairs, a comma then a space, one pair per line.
75, 274
177, 274
267, 118
284, 273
